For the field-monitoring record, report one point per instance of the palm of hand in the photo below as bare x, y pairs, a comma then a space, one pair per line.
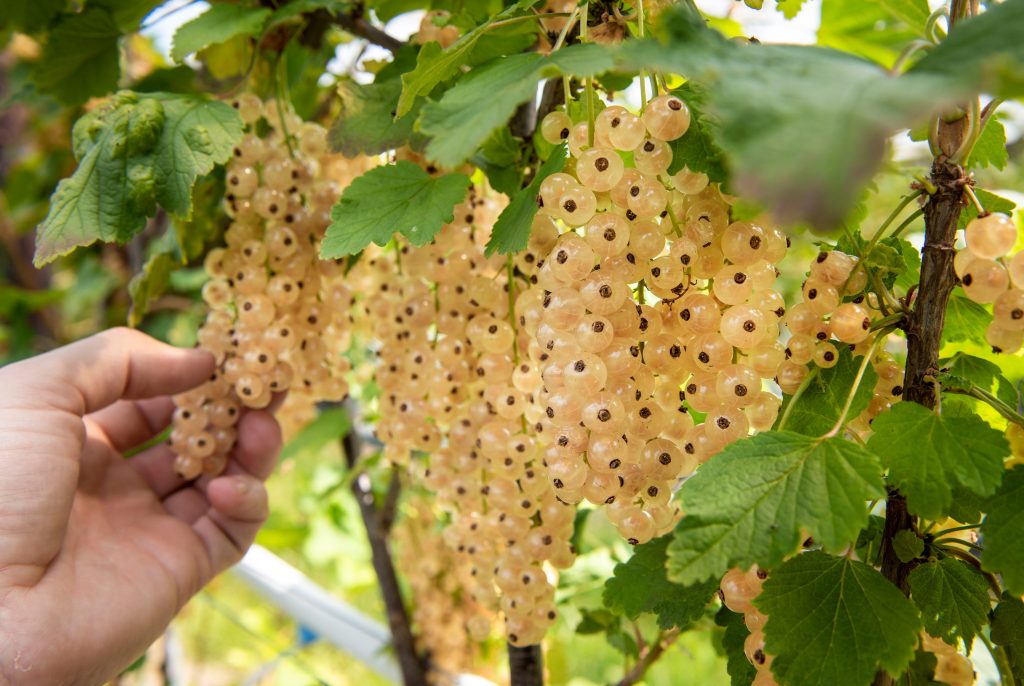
98, 553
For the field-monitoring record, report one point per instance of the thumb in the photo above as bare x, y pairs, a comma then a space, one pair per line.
97, 371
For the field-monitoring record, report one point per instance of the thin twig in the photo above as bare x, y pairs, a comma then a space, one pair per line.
654, 651
358, 26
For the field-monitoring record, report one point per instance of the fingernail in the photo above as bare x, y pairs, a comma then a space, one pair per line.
243, 486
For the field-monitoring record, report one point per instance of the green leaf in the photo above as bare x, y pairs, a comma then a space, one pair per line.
330, 425
966, 320
741, 672
399, 197
990, 201
753, 502
986, 51
366, 124
1008, 632
927, 454
990, 148
485, 99
125, 170
217, 25
481, 102
869, 540
833, 621
1001, 531
198, 135
29, 15
907, 545
912, 259
767, 101
913, 13
511, 231
789, 8
921, 671
127, 13
639, 585
696, 149
498, 158
868, 28
81, 58
434, 65
818, 409
982, 373
952, 597
148, 285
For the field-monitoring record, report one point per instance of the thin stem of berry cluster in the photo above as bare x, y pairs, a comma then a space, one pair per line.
865, 363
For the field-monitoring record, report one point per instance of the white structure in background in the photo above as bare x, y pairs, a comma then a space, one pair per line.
331, 619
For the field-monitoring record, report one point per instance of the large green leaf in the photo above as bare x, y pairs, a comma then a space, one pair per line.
1002, 529
639, 585
869, 28
218, 24
81, 58
134, 153
485, 99
990, 148
833, 621
965, 319
396, 198
928, 454
511, 231
818, 409
769, 101
29, 15
986, 52
755, 501
952, 597
481, 102
435, 65
366, 124
981, 373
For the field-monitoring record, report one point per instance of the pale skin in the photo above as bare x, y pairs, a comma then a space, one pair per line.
99, 552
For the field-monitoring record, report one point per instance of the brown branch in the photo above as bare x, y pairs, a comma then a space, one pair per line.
389, 507
649, 657
414, 672
526, 665
357, 25
926, 321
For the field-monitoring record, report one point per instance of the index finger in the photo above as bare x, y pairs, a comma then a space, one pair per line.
93, 373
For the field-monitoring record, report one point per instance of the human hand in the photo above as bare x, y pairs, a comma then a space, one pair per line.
97, 552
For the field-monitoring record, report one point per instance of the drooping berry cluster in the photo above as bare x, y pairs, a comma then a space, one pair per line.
278, 314
650, 305
989, 274
738, 590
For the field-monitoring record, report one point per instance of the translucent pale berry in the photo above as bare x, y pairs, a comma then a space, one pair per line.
991, 236
666, 117
555, 127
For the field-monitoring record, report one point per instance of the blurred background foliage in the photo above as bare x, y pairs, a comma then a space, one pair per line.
229, 635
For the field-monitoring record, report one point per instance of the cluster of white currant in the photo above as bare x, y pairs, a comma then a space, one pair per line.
738, 590
278, 315
837, 310
651, 304
951, 667
451, 386
451, 627
989, 274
